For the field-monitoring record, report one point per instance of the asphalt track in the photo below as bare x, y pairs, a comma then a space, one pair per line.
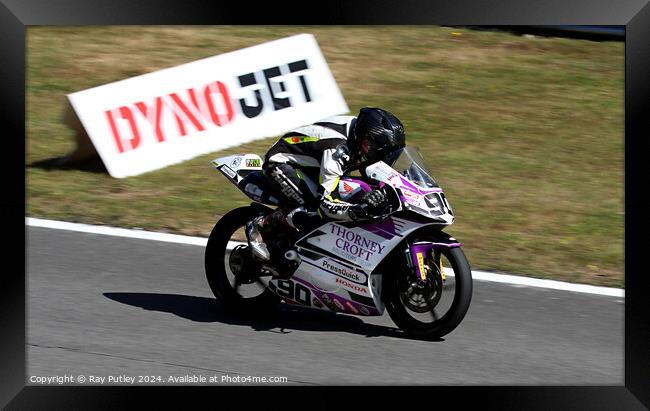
109, 306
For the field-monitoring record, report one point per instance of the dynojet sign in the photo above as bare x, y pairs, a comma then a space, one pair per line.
161, 118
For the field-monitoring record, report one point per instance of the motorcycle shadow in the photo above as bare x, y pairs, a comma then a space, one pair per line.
282, 317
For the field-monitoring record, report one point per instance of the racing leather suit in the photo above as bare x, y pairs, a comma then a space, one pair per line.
317, 152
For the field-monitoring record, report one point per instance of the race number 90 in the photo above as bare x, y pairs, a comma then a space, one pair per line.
293, 291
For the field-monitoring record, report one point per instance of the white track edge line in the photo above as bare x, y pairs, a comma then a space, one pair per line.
117, 232
200, 241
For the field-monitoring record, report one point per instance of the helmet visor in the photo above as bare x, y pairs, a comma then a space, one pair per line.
392, 156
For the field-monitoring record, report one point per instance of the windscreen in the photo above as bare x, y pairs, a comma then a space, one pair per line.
411, 165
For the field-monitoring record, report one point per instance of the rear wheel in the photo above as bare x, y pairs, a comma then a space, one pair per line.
433, 308
231, 271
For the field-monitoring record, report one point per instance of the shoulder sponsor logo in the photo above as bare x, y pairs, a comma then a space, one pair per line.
345, 272
351, 286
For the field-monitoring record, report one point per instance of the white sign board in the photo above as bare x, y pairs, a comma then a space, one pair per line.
151, 121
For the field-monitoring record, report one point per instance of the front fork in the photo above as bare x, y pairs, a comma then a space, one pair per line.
416, 252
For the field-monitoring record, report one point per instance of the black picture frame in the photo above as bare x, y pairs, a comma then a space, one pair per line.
17, 15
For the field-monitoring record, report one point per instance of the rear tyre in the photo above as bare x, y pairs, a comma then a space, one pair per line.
410, 321
232, 273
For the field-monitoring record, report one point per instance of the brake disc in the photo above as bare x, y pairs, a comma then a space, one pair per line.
422, 296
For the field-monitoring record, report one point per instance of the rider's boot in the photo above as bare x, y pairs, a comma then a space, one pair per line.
255, 240
260, 224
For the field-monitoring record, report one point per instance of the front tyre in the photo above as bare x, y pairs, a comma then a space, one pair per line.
229, 266
427, 315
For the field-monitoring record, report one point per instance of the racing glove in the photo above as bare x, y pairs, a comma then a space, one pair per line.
375, 199
372, 205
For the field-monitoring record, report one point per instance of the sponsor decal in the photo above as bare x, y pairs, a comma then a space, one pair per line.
352, 307
153, 120
348, 189
253, 162
287, 187
235, 162
381, 171
317, 303
364, 310
303, 139
392, 176
411, 198
423, 273
356, 244
228, 171
205, 107
351, 286
328, 302
340, 270
338, 304
411, 195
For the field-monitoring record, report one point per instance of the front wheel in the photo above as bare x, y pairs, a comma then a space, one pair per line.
434, 309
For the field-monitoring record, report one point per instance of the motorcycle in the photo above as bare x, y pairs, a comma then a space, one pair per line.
400, 261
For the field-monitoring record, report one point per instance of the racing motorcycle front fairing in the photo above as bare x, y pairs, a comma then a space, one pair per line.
417, 204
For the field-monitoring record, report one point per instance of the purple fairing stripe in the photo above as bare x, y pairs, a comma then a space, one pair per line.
408, 184
386, 229
423, 191
360, 308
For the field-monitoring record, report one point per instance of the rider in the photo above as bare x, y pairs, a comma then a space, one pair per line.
325, 151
